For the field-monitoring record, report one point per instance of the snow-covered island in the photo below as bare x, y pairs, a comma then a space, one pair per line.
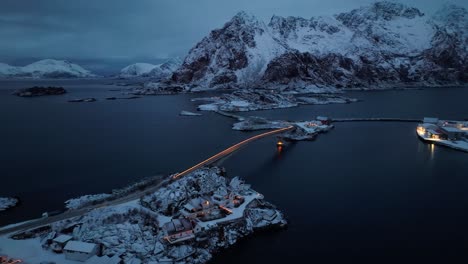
6, 203
303, 130
185, 221
448, 133
252, 100
47, 68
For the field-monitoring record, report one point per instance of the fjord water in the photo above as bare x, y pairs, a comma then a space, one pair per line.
364, 191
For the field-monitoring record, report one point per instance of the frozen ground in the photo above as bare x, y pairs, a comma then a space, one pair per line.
30, 251
76, 203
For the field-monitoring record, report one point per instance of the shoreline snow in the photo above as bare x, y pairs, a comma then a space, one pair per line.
7, 203
137, 230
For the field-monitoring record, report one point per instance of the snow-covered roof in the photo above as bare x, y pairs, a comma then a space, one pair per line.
177, 225
79, 246
63, 238
452, 129
189, 207
434, 131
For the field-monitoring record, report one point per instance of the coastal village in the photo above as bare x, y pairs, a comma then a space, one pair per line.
184, 222
452, 134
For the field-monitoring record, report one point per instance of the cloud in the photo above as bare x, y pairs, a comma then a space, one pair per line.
90, 29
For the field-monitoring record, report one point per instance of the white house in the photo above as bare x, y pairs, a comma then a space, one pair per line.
178, 230
59, 243
80, 251
197, 206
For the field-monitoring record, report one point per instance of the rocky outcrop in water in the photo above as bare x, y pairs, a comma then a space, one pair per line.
39, 91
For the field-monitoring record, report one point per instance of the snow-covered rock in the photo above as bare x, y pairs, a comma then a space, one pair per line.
47, 68
383, 44
187, 113
258, 123
85, 200
257, 99
6, 203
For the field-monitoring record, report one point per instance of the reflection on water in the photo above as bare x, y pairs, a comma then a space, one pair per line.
431, 149
279, 149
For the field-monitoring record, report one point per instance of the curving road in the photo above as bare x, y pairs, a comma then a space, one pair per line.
32, 224
230, 150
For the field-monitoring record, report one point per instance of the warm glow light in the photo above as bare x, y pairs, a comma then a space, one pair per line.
225, 209
229, 150
431, 149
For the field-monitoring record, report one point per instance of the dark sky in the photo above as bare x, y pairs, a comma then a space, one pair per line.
143, 30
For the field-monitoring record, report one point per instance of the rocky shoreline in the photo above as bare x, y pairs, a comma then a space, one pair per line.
188, 113
253, 100
7, 203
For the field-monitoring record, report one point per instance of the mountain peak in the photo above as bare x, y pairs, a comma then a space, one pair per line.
244, 17
46, 68
389, 10
384, 42
378, 11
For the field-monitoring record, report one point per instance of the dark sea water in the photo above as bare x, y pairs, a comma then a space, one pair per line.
364, 192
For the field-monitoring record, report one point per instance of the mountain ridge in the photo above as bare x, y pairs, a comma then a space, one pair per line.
46, 68
382, 44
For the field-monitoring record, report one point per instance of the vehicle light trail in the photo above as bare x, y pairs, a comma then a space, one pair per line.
229, 151
133, 196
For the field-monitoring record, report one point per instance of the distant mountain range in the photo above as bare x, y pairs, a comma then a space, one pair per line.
158, 71
384, 44
47, 68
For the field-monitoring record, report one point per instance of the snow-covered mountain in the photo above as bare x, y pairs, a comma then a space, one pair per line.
8, 70
383, 44
158, 71
137, 69
47, 68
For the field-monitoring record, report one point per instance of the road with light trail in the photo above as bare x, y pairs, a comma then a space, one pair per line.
33, 224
